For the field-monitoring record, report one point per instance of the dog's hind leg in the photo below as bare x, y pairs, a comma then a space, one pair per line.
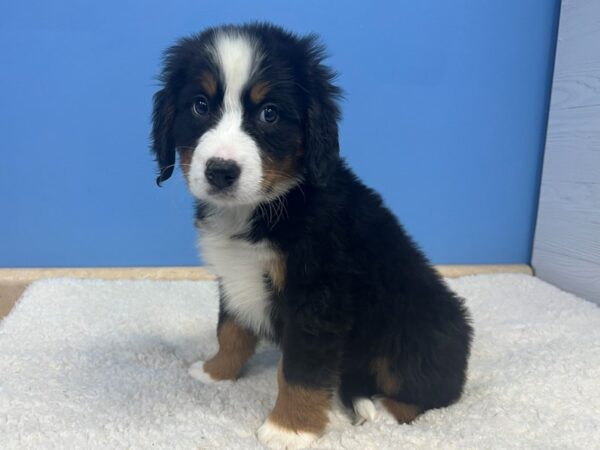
400, 411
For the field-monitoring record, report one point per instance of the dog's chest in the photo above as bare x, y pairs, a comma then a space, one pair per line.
242, 267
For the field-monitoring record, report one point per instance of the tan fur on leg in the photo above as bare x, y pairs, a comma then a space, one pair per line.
402, 412
299, 408
236, 346
299, 417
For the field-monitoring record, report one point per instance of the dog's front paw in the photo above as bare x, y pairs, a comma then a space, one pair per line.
197, 372
276, 437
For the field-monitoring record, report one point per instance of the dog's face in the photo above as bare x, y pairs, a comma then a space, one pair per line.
251, 111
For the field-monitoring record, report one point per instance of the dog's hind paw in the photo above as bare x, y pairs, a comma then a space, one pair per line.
365, 409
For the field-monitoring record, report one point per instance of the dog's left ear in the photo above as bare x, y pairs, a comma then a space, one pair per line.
321, 122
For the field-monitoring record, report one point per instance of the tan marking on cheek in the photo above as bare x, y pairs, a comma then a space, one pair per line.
277, 171
259, 91
277, 270
300, 409
208, 83
403, 412
386, 380
185, 160
236, 346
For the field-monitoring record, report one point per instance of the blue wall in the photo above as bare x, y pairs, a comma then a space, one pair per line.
445, 114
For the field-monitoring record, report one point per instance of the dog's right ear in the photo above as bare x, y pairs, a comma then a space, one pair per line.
163, 142
164, 112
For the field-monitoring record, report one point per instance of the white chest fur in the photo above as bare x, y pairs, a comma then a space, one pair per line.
241, 266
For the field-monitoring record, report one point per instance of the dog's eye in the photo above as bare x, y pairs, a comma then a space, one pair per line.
269, 114
200, 106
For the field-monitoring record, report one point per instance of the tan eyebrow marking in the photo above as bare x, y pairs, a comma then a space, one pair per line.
208, 83
259, 91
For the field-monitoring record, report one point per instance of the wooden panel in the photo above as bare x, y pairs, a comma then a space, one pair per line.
575, 233
567, 239
573, 89
9, 294
451, 271
570, 274
570, 196
569, 220
106, 273
15, 275
578, 36
573, 134
14, 281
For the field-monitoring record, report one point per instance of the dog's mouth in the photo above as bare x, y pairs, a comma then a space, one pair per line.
231, 196
219, 193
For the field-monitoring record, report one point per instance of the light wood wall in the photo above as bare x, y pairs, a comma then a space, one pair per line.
567, 238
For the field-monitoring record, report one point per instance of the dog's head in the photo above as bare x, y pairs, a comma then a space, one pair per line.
251, 110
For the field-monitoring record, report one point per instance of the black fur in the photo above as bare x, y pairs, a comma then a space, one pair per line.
356, 286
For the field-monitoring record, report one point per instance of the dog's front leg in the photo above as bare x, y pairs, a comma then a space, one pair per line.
307, 378
236, 346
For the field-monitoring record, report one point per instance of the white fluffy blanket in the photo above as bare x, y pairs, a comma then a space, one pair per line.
103, 364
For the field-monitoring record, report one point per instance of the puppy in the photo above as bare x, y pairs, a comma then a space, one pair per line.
307, 256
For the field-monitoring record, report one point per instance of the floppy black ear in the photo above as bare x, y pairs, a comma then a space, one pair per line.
163, 142
321, 124
172, 78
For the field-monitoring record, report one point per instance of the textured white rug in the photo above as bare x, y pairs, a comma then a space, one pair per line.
103, 364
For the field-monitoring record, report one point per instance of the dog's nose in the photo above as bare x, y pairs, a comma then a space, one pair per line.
221, 173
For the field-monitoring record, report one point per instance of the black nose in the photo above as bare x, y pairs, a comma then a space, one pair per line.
221, 173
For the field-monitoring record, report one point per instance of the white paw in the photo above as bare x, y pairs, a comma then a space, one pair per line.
275, 437
338, 416
371, 410
197, 372
365, 409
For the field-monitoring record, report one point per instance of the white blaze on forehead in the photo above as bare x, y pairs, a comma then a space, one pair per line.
237, 57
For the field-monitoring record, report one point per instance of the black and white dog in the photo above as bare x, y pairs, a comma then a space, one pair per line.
307, 256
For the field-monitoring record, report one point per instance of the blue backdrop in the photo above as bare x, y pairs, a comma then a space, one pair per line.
445, 115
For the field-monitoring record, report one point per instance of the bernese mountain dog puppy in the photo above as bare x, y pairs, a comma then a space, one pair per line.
307, 256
